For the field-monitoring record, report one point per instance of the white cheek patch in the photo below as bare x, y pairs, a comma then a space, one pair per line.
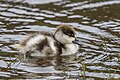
59, 37
68, 39
64, 38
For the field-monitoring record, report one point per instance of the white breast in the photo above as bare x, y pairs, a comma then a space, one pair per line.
70, 49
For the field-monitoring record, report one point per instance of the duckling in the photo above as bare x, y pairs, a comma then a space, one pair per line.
45, 44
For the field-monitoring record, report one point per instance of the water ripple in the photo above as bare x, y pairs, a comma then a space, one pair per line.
95, 5
98, 27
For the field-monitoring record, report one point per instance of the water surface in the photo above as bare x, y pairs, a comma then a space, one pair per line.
98, 26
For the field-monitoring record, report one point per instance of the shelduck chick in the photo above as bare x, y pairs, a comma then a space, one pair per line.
45, 44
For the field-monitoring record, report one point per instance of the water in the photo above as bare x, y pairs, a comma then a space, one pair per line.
98, 26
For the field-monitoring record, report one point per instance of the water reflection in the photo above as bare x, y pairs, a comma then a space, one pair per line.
98, 26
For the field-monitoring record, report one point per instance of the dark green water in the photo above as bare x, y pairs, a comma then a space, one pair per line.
98, 26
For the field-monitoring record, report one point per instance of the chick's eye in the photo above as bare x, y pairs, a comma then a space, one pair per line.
71, 35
